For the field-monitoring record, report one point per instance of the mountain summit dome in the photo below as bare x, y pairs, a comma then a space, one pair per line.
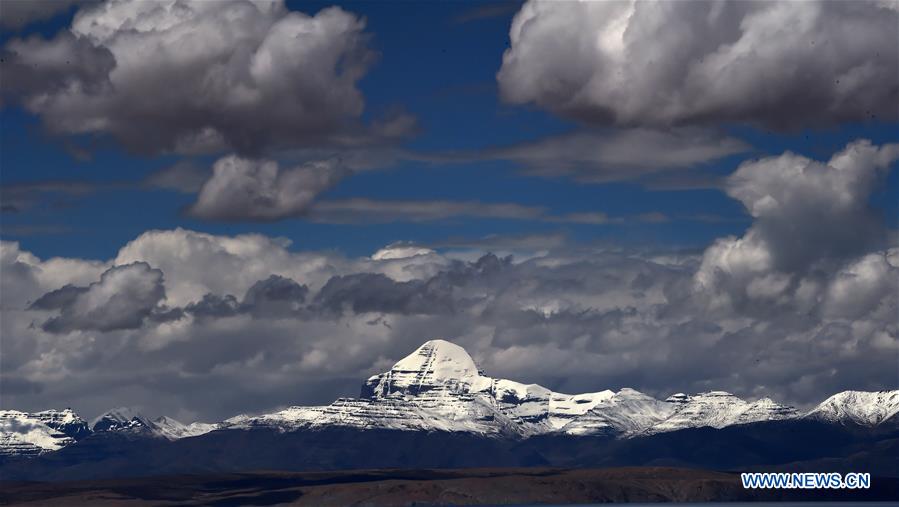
435, 365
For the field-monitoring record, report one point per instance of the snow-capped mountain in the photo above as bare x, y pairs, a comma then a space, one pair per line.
173, 430
127, 420
439, 387
858, 407
627, 412
29, 434
718, 409
122, 419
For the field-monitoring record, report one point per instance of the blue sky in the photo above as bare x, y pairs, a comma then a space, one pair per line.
440, 67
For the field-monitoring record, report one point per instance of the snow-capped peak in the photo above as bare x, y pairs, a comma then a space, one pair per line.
121, 418
718, 409
436, 364
445, 360
173, 429
25, 434
859, 407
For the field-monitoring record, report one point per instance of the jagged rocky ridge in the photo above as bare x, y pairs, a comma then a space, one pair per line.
440, 388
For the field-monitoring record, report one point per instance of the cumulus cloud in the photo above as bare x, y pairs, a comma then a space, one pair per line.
215, 306
197, 263
771, 64
250, 76
275, 296
54, 66
260, 190
790, 196
27, 277
862, 286
122, 298
809, 217
374, 292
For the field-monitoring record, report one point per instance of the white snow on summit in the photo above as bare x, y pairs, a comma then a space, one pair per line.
22, 433
128, 420
174, 430
436, 365
859, 407
718, 409
121, 419
627, 412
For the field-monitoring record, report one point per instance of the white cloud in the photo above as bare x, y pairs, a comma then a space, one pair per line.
809, 217
198, 76
861, 287
197, 263
122, 298
244, 189
26, 277
659, 63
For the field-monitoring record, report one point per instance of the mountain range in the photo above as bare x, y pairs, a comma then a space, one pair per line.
437, 393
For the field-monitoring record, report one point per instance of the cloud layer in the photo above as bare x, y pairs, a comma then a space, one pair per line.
614, 155
203, 326
656, 63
